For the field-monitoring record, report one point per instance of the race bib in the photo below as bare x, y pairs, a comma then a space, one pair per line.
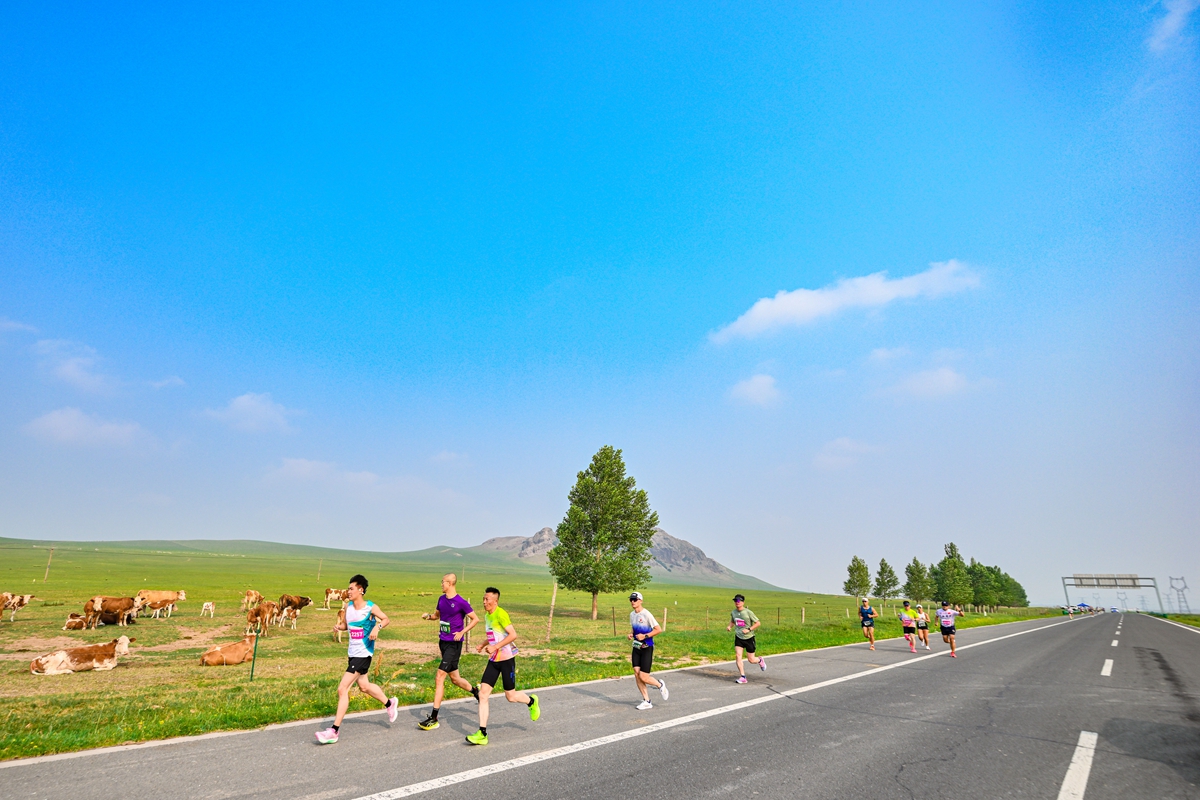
357, 634
741, 623
444, 627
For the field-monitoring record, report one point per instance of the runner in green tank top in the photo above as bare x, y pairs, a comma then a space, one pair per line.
502, 664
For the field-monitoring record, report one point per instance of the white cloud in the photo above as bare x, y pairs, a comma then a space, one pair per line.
7, 324
841, 453
938, 382
803, 306
887, 354
364, 484
72, 426
73, 363
254, 413
173, 380
1168, 30
450, 457
759, 390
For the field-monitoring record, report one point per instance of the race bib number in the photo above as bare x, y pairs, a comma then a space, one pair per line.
444, 627
491, 637
741, 623
357, 634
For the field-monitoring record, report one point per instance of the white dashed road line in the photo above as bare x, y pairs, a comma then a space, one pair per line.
1115, 641
1075, 783
1106, 670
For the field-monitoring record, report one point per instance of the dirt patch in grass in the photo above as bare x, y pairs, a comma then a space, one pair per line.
36, 644
187, 640
429, 649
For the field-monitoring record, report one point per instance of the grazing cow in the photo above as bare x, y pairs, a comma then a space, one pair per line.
81, 659
210, 608
16, 602
260, 617
75, 622
293, 601
161, 607
335, 594
251, 599
4, 598
232, 653
109, 610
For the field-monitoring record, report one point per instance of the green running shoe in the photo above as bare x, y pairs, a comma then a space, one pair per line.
478, 737
535, 709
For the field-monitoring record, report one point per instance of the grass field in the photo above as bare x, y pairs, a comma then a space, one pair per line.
161, 691
1186, 619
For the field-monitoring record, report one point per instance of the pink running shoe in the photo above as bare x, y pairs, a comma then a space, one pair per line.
762, 663
327, 736
741, 679
912, 649
393, 710
954, 655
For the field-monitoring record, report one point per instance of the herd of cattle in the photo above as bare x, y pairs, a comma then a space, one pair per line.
99, 610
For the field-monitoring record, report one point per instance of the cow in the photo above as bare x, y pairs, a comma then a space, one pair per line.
289, 615
251, 599
334, 594
161, 608
259, 617
16, 602
341, 621
293, 601
209, 608
232, 653
110, 610
81, 659
75, 622
150, 596
4, 598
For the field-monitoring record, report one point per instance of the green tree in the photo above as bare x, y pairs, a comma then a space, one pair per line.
952, 580
983, 585
886, 582
1008, 591
917, 585
604, 539
859, 582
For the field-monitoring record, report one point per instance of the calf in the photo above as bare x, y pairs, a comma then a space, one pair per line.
259, 617
251, 599
16, 602
335, 594
232, 653
81, 659
341, 622
289, 615
161, 607
209, 608
151, 596
293, 601
75, 622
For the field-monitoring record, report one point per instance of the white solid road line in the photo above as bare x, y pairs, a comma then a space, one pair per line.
1106, 670
1115, 641
1075, 783
546, 755
1191, 628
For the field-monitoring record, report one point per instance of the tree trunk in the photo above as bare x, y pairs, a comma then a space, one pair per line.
594, 606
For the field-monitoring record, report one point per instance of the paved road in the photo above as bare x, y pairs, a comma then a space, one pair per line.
1002, 720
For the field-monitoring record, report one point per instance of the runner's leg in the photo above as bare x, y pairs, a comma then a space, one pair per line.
737, 654
460, 681
364, 683
485, 692
513, 696
343, 693
439, 689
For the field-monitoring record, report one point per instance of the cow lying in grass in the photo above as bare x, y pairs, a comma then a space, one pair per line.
75, 622
232, 653
81, 659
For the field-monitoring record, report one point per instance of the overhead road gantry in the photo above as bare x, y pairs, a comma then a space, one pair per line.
1090, 581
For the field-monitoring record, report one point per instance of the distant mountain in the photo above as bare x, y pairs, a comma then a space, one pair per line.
673, 560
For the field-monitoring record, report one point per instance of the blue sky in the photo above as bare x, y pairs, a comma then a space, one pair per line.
845, 280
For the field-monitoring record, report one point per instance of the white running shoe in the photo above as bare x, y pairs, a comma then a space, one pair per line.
662, 689
644, 705
927, 647
393, 710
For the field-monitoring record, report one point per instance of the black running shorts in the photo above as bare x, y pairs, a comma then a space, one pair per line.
868, 623
642, 658
948, 631
909, 629
451, 653
922, 626
359, 665
747, 644
506, 669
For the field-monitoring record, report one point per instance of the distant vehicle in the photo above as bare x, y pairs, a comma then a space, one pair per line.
1114, 610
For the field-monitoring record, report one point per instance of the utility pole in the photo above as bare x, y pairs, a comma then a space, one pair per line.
48, 560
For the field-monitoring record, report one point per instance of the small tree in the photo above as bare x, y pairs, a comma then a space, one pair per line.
604, 539
859, 582
983, 585
886, 582
917, 585
953, 581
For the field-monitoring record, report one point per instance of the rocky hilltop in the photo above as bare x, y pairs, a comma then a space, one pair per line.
673, 560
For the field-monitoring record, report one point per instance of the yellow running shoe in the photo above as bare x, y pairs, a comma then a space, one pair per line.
478, 737
535, 708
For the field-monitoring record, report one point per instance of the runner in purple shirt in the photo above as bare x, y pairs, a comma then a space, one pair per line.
455, 618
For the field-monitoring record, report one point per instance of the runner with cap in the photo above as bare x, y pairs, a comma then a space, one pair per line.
908, 621
455, 619
501, 665
644, 628
744, 622
923, 626
946, 616
867, 617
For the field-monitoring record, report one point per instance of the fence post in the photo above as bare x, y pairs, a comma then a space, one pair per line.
778, 611
614, 616
706, 618
801, 615
254, 658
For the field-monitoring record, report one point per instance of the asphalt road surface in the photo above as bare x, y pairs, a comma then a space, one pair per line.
1029, 709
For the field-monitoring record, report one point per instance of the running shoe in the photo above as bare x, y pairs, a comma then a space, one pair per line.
741, 679
927, 647
478, 737
662, 689
954, 655
872, 647
327, 736
912, 649
762, 664
429, 724
535, 709
475, 693
393, 709
645, 705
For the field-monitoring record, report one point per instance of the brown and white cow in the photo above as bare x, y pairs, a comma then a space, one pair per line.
289, 615
161, 608
294, 601
75, 622
4, 598
340, 595
251, 599
121, 611
209, 608
341, 621
16, 602
232, 653
81, 659
151, 596
260, 617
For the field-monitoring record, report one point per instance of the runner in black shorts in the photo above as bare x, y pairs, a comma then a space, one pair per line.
946, 616
501, 665
455, 619
923, 626
645, 628
744, 623
867, 616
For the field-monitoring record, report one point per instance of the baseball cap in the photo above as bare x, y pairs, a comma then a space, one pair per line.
945, 602
635, 596
906, 602
739, 597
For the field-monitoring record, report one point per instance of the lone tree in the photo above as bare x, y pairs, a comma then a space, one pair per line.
886, 582
604, 540
859, 582
917, 585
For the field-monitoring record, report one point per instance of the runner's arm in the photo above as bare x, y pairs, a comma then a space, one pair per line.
472, 621
383, 622
509, 639
436, 615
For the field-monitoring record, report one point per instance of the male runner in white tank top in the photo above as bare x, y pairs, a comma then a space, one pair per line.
364, 620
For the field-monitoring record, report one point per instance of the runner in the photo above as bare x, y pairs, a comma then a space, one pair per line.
867, 615
364, 620
746, 623
908, 621
946, 616
923, 626
456, 618
645, 628
502, 663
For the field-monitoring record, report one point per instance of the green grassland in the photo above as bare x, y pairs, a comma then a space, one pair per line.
1186, 619
160, 690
